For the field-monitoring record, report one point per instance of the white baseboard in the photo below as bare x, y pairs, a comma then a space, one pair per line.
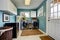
43, 32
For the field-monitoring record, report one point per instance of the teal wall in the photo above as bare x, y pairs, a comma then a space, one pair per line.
42, 19
12, 19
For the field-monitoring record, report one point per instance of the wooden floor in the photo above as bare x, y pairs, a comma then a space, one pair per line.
31, 32
46, 38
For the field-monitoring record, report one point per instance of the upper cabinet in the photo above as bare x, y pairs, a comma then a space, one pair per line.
7, 5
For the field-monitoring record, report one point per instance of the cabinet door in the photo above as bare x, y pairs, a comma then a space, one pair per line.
6, 35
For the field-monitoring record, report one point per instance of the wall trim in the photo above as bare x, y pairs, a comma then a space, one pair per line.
42, 32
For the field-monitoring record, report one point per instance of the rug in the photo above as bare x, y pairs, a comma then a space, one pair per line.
46, 38
31, 32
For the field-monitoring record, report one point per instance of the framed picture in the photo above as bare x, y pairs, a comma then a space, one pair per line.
6, 17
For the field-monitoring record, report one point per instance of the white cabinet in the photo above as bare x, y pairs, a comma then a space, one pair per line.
7, 5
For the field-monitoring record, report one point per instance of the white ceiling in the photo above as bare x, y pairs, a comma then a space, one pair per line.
20, 4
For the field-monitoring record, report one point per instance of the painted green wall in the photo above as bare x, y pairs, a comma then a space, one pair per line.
42, 19
11, 20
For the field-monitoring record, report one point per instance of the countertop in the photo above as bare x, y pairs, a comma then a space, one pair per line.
3, 30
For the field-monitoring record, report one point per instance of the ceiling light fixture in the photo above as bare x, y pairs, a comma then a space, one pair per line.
27, 2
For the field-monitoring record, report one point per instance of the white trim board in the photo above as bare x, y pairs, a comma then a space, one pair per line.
44, 34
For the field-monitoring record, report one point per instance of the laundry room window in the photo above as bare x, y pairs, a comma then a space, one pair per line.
55, 9
26, 14
40, 12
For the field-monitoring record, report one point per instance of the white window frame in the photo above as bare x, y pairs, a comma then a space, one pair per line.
57, 16
24, 14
